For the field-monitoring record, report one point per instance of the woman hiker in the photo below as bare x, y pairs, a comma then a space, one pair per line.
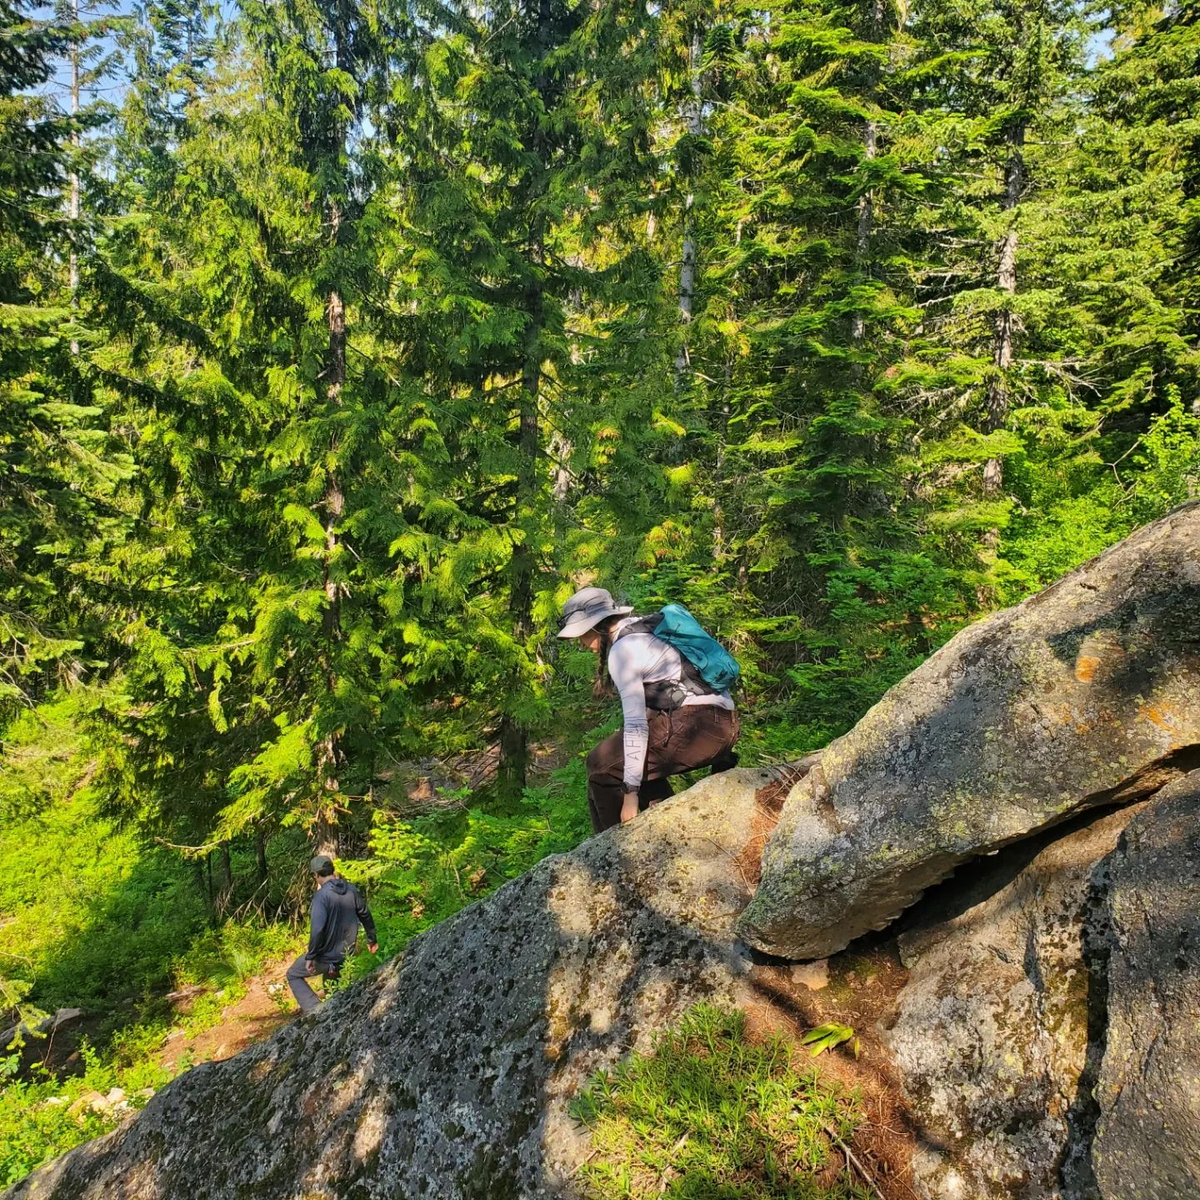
673, 722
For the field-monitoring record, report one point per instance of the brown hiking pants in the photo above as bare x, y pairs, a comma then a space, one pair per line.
697, 735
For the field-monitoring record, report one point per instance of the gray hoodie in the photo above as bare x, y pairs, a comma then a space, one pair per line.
337, 910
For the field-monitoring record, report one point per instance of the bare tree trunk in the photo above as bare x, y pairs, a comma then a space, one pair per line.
512, 769
514, 737
720, 539
1006, 322
866, 202
225, 890
561, 447
329, 752
73, 259
694, 122
261, 855
198, 877
866, 218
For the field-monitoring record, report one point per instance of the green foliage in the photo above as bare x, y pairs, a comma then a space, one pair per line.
41, 1119
1168, 460
93, 916
425, 869
228, 955
707, 1113
44, 759
829, 1037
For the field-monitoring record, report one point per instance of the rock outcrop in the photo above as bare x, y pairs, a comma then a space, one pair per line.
1086, 694
1147, 1143
448, 1074
1048, 1034
995, 1024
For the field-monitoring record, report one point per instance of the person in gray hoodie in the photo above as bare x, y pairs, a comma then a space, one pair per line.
337, 911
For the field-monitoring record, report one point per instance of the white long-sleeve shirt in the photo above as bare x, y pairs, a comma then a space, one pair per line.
636, 659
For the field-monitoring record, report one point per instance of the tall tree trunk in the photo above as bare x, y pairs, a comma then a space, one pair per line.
866, 202
720, 538
694, 123
73, 259
198, 877
514, 737
1006, 322
513, 766
329, 751
866, 218
260, 847
225, 887
330, 756
561, 447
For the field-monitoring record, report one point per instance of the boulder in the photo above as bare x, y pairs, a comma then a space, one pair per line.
1086, 694
994, 1025
43, 1046
448, 1074
1147, 1142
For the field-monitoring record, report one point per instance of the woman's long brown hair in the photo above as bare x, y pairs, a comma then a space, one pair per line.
604, 684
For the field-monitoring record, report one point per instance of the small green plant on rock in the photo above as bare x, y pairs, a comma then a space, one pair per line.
708, 1115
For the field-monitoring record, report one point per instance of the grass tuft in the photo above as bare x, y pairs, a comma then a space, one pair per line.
708, 1115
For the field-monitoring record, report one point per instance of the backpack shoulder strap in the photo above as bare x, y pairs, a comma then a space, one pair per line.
641, 625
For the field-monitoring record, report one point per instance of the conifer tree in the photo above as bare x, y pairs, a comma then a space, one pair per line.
276, 455
57, 462
500, 125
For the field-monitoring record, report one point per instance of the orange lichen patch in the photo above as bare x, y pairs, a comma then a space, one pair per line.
1085, 667
1066, 715
1162, 717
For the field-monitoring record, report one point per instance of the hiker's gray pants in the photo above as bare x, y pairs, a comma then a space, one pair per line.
297, 973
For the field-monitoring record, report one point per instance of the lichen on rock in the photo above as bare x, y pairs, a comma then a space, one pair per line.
1147, 1142
1084, 695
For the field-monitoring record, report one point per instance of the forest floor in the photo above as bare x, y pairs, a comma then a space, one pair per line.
265, 1006
857, 988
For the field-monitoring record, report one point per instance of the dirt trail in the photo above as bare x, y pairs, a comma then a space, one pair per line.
266, 1006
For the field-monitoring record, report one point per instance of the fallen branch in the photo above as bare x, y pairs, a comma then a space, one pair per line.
184, 993
204, 849
852, 1161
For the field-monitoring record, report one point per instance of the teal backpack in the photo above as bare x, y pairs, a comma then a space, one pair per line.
713, 668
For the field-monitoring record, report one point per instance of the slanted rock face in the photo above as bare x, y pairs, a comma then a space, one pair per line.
1048, 1034
1147, 1144
1085, 694
448, 1075
993, 1027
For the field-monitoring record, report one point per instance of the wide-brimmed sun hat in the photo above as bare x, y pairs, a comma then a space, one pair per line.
586, 609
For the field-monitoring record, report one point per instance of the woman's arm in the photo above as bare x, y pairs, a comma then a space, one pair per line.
626, 669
